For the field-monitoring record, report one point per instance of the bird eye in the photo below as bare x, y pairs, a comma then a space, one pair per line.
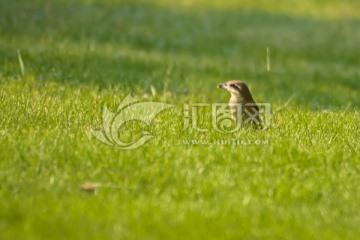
233, 85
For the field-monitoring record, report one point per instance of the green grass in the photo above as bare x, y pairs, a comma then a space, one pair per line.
80, 55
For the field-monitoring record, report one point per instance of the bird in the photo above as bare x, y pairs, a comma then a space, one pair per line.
240, 95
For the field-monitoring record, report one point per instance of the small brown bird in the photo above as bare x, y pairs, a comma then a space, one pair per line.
240, 94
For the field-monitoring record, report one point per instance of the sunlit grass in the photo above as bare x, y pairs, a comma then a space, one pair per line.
319, 9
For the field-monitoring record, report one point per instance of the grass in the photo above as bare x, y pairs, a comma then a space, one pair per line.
77, 56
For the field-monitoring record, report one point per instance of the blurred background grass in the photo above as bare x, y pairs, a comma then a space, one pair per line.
313, 45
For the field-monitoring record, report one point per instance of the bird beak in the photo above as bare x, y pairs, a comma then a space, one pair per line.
222, 85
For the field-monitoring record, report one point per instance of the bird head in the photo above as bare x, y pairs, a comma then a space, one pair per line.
238, 89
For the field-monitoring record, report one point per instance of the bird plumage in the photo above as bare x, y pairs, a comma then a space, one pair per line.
240, 94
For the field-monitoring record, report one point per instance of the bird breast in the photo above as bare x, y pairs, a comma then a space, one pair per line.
235, 99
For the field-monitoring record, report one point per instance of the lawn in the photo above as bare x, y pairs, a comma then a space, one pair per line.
62, 61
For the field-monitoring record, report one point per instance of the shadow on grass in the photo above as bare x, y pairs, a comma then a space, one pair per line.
183, 50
